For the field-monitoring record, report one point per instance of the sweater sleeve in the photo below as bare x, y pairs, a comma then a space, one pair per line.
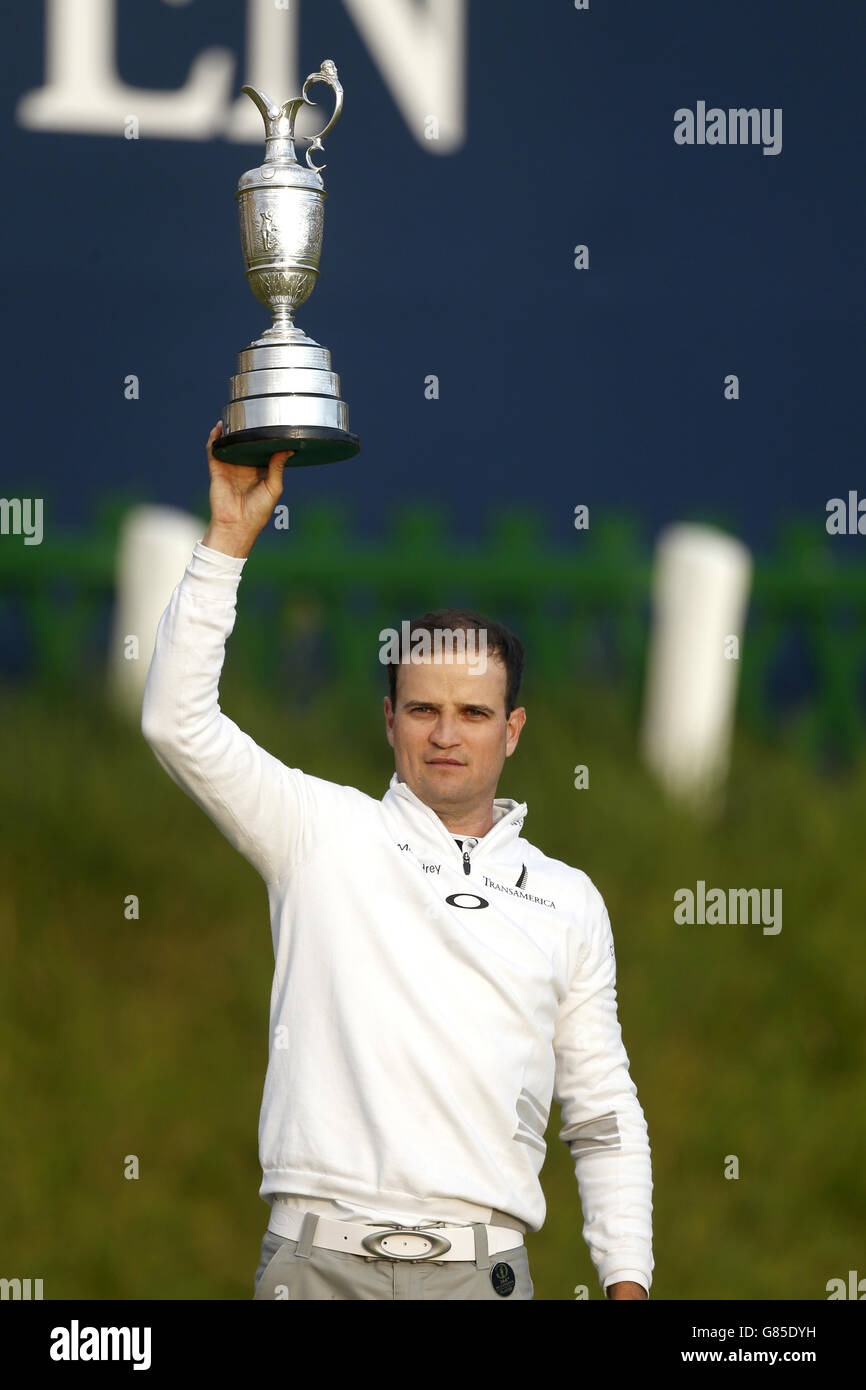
258, 803
603, 1122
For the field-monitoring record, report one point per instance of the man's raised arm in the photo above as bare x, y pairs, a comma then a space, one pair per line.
255, 800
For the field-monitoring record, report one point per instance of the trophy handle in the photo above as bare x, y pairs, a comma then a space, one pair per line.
328, 74
280, 120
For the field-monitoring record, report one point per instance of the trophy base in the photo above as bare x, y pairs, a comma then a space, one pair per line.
312, 444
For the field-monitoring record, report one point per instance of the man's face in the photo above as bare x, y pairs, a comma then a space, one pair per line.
449, 733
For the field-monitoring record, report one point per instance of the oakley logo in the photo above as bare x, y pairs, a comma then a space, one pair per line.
474, 901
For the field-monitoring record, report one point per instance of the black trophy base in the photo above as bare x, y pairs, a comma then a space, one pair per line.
312, 444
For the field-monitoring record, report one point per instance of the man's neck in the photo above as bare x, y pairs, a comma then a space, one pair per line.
460, 824
472, 819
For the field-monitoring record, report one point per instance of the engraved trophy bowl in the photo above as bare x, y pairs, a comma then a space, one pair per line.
284, 394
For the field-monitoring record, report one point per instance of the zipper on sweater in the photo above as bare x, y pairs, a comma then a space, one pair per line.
403, 790
467, 867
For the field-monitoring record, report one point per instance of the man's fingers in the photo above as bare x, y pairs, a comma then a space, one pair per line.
214, 435
276, 460
276, 464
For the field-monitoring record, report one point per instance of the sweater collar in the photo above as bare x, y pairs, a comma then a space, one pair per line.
508, 817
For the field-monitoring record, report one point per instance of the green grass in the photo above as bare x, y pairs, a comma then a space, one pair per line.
148, 1037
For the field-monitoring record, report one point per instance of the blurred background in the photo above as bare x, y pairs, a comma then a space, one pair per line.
641, 448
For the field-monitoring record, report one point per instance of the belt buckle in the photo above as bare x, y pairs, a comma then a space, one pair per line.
372, 1242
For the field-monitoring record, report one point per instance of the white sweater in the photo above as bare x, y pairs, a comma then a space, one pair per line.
422, 1018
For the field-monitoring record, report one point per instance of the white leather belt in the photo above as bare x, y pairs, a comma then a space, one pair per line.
394, 1242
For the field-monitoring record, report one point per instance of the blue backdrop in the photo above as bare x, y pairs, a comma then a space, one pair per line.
558, 386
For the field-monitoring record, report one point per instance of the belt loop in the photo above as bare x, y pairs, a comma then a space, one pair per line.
482, 1258
503, 1218
307, 1232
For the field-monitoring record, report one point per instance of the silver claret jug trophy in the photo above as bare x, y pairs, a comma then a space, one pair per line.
284, 394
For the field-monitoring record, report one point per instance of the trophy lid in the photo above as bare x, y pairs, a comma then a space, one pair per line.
280, 131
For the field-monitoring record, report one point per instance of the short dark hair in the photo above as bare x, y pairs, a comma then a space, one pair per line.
500, 642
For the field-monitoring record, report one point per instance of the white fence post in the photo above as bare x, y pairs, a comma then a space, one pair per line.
154, 549
701, 585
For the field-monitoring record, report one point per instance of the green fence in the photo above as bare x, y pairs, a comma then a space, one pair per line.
316, 598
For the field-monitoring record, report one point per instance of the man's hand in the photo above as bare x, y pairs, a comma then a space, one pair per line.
241, 499
626, 1289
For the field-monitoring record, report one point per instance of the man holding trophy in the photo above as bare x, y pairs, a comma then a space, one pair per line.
438, 980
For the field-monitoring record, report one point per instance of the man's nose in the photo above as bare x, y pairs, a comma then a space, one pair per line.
445, 732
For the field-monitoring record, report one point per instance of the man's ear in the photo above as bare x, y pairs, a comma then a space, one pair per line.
389, 721
514, 724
